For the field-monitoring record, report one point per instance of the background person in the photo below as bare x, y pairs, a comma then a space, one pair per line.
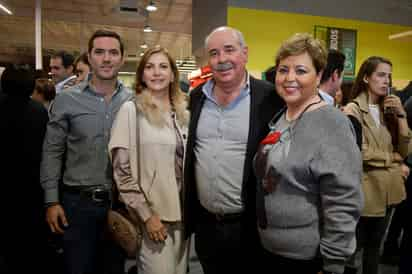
81, 67
44, 92
61, 68
23, 231
161, 119
383, 179
308, 170
332, 76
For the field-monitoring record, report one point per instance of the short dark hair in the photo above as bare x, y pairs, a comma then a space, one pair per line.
270, 74
105, 33
336, 61
67, 58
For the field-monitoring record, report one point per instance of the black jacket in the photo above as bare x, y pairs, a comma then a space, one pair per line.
264, 103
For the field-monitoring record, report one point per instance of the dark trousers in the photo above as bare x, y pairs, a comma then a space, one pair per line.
278, 264
86, 251
369, 235
391, 246
226, 246
23, 242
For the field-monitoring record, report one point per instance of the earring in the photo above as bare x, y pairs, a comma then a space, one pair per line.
366, 81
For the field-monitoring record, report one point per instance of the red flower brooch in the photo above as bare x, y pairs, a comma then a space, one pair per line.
272, 138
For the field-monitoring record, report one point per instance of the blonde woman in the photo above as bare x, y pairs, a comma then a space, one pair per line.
148, 174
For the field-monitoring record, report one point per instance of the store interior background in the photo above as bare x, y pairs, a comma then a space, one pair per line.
181, 25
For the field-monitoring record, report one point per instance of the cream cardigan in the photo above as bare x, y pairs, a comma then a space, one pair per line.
157, 157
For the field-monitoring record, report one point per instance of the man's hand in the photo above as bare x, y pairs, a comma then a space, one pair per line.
55, 217
155, 228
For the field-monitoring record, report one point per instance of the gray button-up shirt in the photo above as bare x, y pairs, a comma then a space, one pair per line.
77, 137
220, 151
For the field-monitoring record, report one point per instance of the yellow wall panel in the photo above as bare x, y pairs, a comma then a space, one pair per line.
265, 30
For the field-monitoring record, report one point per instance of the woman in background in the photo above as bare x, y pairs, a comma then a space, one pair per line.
383, 153
44, 92
81, 67
308, 170
152, 191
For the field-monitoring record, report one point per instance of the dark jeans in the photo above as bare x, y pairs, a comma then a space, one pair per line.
369, 235
277, 264
226, 246
86, 251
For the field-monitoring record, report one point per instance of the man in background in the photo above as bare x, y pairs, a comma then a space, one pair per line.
62, 70
332, 76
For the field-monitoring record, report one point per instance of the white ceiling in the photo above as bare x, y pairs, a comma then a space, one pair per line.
68, 24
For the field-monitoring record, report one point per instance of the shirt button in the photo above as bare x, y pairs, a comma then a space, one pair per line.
107, 116
101, 99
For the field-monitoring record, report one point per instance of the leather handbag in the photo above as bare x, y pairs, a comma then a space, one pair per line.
124, 231
124, 227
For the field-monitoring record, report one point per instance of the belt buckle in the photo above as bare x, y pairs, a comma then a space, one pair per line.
95, 193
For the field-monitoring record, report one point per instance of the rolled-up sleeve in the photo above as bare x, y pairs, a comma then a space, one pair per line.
54, 147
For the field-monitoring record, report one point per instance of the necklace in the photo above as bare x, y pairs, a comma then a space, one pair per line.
305, 109
283, 110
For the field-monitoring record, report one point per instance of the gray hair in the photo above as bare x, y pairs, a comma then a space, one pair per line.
236, 32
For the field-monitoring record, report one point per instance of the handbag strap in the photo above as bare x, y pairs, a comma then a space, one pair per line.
138, 154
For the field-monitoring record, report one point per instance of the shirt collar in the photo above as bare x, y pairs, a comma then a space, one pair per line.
207, 88
86, 85
326, 97
60, 84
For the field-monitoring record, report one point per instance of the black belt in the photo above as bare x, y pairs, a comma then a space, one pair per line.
98, 194
224, 217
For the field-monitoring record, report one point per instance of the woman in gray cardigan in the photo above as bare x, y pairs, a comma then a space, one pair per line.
309, 171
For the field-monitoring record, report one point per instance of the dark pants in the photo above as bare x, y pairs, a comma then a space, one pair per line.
391, 246
277, 264
370, 232
23, 241
86, 251
226, 246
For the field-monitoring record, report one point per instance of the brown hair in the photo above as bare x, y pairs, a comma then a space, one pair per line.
105, 33
366, 69
175, 93
300, 43
46, 88
82, 58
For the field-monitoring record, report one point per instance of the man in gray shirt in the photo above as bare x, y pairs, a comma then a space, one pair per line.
229, 115
75, 149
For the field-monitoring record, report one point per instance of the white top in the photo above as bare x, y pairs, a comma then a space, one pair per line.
60, 85
375, 112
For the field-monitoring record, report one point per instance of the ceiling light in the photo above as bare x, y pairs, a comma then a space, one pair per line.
147, 28
151, 7
143, 46
5, 9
